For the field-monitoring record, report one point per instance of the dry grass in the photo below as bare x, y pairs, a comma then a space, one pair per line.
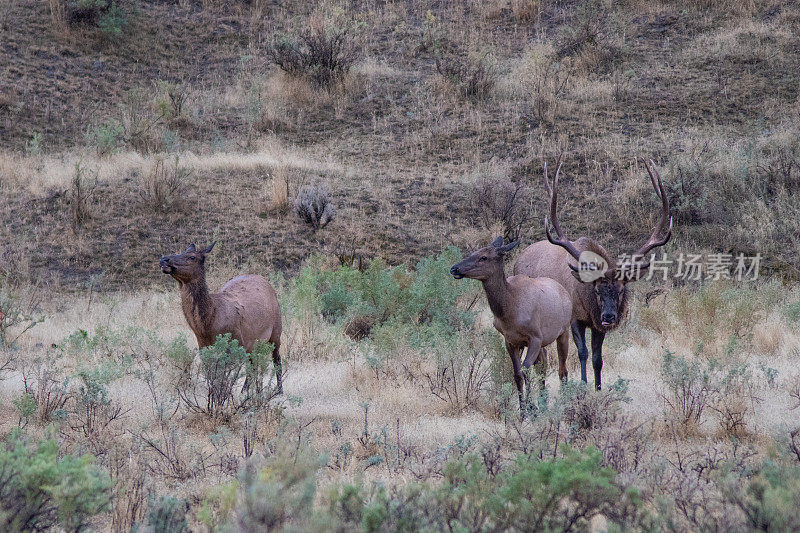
40, 174
333, 393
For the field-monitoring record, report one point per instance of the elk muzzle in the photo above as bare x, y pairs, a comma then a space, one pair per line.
608, 319
166, 265
456, 272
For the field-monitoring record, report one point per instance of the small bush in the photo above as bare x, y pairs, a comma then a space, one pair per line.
313, 206
690, 386
472, 77
48, 389
168, 515
278, 191
140, 119
105, 137
17, 310
86, 11
769, 498
323, 52
105, 15
163, 188
542, 81
211, 387
271, 495
498, 199
94, 410
463, 369
736, 399
80, 197
279, 494
730, 391
175, 95
112, 21
34, 146
39, 489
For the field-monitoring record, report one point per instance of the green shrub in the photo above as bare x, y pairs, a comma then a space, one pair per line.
212, 388
94, 410
424, 296
34, 146
689, 384
112, 21
26, 406
728, 389
39, 490
266, 497
769, 498
105, 137
792, 311
530, 494
15, 313
167, 515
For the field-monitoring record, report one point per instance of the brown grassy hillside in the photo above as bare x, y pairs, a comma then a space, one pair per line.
443, 100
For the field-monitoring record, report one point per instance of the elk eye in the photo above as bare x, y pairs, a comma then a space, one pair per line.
483, 258
192, 258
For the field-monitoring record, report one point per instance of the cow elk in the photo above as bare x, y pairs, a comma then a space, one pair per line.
527, 312
246, 307
597, 286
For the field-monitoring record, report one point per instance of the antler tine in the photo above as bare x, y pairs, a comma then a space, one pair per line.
561, 241
654, 241
547, 182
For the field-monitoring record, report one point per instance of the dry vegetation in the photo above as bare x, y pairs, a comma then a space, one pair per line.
341, 148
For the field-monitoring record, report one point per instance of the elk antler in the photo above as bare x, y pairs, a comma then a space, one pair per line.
561, 241
654, 241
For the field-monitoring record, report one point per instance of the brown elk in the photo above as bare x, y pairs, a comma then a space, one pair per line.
527, 312
599, 296
246, 307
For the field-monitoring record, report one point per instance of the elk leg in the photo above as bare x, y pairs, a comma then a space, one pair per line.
535, 356
597, 355
562, 345
514, 353
579, 336
276, 361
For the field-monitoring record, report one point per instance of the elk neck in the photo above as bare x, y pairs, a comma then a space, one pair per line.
198, 306
497, 292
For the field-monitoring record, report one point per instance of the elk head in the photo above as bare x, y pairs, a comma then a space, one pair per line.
484, 263
188, 266
609, 280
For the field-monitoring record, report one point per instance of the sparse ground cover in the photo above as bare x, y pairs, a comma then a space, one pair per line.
348, 151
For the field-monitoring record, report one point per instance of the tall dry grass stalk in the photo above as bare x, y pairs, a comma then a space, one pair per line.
278, 190
58, 15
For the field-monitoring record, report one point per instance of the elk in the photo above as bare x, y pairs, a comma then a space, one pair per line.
599, 295
246, 306
532, 312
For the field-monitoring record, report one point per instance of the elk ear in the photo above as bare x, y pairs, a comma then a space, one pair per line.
498, 242
508, 247
191, 248
208, 250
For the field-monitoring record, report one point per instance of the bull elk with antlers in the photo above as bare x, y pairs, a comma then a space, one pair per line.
597, 286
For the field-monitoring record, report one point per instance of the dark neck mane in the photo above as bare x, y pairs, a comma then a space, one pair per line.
196, 295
